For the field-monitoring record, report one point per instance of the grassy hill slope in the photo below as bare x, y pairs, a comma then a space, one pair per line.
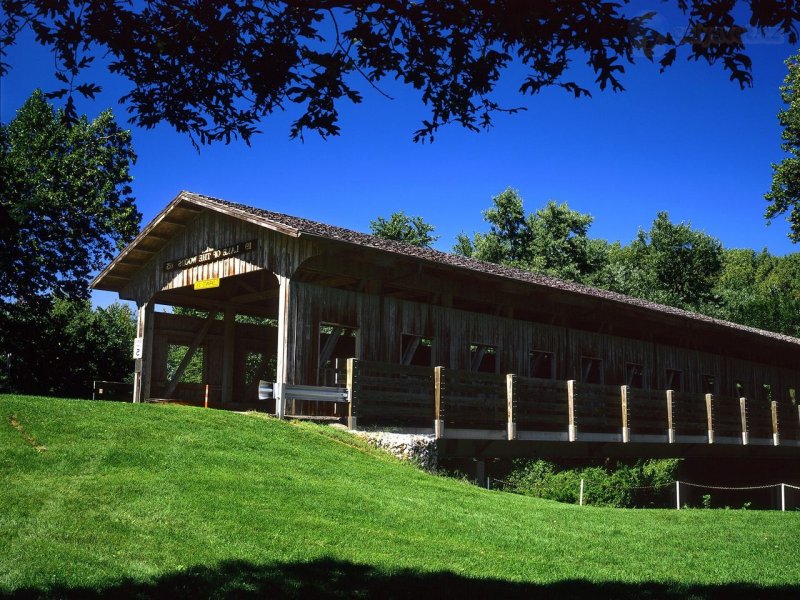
129, 500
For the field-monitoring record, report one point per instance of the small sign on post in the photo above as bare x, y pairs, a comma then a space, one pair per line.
138, 347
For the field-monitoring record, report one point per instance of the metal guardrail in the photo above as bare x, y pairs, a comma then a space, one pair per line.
282, 392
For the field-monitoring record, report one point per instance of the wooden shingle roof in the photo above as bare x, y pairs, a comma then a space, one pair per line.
297, 227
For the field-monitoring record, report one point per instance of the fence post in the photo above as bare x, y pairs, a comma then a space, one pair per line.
438, 397
678, 495
783, 497
511, 395
580, 497
776, 438
280, 401
710, 417
205, 404
572, 429
352, 392
626, 430
743, 411
670, 418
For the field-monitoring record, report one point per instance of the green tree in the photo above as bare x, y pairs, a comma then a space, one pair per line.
216, 69
404, 228
59, 346
784, 194
65, 200
554, 240
671, 263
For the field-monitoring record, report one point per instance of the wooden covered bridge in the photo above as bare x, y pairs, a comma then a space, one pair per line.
486, 356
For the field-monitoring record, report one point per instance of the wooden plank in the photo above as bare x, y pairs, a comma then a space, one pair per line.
439, 382
511, 397
352, 386
626, 432
572, 429
710, 417
198, 339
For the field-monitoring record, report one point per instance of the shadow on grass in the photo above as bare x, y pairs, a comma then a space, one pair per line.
329, 578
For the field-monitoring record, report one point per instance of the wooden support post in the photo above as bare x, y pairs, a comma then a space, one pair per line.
710, 417
626, 429
352, 392
145, 318
743, 411
438, 398
511, 396
678, 495
776, 438
285, 329
228, 349
572, 428
783, 497
670, 421
196, 341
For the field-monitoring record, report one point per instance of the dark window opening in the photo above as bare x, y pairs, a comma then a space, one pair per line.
634, 375
709, 384
591, 370
335, 342
416, 350
543, 365
483, 358
674, 380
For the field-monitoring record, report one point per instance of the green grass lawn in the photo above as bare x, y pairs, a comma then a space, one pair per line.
152, 500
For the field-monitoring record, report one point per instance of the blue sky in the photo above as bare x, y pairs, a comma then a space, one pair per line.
688, 142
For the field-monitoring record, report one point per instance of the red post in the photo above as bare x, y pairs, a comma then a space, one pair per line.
206, 396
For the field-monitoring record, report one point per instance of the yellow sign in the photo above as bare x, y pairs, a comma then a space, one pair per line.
206, 284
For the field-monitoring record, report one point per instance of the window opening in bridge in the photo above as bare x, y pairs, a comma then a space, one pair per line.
793, 396
674, 380
543, 365
591, 370
258, 366
416, 350
634, 375
709, 384
483, 358
741, 388
766, 392
335, 341
193, 372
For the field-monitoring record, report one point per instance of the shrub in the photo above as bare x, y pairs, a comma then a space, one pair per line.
645, 483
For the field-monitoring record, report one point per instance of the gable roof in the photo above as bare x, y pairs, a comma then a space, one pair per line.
188, 204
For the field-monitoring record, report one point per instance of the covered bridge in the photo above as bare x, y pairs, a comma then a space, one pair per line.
288, 299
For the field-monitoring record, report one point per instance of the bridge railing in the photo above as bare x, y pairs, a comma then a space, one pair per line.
467, 404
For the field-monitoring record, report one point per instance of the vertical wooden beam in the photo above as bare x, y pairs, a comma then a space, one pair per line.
352, 392
438, 397
626, 430
710, 417
145, 318
670, 417
572, 428
743, 412
776, 438
228, 350
511, 396
285, 327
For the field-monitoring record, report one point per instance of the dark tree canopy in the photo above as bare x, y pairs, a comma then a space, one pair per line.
216, 69
65, 200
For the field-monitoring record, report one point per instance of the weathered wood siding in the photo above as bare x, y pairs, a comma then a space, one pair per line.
275, 252
381, 321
